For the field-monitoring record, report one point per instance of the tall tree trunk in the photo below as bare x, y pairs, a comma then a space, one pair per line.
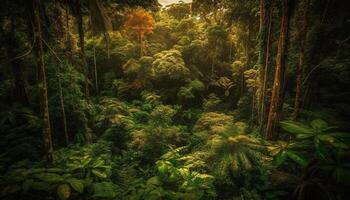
275, 107
299, 70
95, 68
68, 37
262, 54
266, 69
64, 118
42, 84
79, 17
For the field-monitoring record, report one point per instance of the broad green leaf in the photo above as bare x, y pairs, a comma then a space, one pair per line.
184, 172
153, 181
43, 170
164, 166
294, 128
320, 150
40, 186
274, 150
319, 124
98, 163
341, 145
326, 138
105, 190
332, 141
55, 170
99, 173
86, 161
74, 166
305, 136
297, 158
341, 135
206, 177
76, 184
63, 191
280, 158
49, 177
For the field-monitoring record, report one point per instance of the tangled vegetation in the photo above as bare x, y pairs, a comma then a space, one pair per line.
174, 100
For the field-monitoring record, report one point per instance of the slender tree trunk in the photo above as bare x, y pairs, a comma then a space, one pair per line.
299, 71
275, 107
266, 68
42, 84
262, 54
95, 68
79, 17
64, 118
68, 38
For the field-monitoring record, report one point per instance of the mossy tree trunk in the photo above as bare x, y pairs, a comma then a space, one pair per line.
277, 93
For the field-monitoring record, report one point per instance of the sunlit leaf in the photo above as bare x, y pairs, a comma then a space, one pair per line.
153, 181
294, 128
99, 173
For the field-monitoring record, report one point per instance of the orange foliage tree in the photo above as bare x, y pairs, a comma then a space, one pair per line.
139, 23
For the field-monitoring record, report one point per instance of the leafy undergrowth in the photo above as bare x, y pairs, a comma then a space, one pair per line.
143, 152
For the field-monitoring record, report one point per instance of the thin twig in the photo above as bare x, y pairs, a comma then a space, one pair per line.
29, 51
308, 75
53, 52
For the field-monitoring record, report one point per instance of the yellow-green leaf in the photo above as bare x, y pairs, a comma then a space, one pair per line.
76, 184
99, 173
49, 177
318, 124
63, 191
295, 128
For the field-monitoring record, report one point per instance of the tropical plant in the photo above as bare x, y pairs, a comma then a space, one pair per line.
226, 84
213, 122
235, 154
283, 151
318, 135
169, 65
211, 102
176, 178
75, 167
162, 114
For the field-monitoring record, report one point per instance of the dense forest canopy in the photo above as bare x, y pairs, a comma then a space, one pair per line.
178, 100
